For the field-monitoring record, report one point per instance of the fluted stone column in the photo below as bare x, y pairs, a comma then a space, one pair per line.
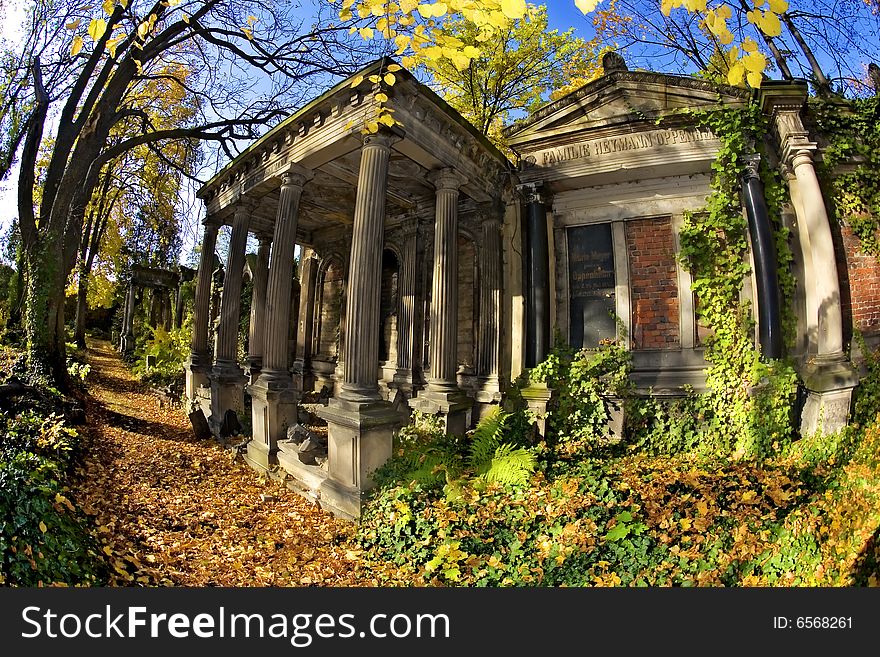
126, 344
443, 396
272, 395
227, 378
827, 373
406, 325
489, 337
302, 375
199, 364
257, 328
360, 423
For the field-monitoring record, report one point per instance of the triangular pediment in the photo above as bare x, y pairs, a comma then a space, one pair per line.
622, 102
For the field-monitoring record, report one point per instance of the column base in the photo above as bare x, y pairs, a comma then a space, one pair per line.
359, 442
126, 345
196, 377
452, 405
537, 397
273, 410
303, 379
829, 383
227, 393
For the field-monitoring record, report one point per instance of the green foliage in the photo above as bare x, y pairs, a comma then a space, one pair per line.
866, 401
582, 381
749, 400
425, 456
44, 537
171, 349
850, 165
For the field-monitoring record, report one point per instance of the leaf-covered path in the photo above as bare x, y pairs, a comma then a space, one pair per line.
175, 511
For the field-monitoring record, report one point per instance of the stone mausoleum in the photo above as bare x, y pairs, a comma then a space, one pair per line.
433, 271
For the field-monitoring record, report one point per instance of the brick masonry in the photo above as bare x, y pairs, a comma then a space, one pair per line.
860, 283
653, 284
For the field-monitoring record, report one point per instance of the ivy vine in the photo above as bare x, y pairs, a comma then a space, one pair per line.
748, 406
850, 166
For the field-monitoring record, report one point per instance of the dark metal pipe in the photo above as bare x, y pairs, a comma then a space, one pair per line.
537, 250
764, 251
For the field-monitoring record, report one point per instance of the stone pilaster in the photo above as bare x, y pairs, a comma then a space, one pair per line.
199, 363
828, 375
258, 308
303, 377
272, 395
227, 378
489, 338
360, 423
442, 395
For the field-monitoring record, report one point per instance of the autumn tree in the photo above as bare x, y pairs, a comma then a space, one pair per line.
135, 205
79, 72
830, 42
516, 69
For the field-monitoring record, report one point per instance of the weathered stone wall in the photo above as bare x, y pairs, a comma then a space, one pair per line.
653, 284
330, 301
466, 303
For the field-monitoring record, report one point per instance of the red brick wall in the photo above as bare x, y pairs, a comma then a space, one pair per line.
862, 304
653, 284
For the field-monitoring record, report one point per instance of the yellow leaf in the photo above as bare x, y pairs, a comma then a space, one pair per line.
43, 527
736, 73
778, 6
366, 33
387, 119
108, 6
390, 79
393, 68
108, 550
754, 79
76, 46
357, 80
97, 28
515, 9
586, 6
372, 127
72, 25
381, 98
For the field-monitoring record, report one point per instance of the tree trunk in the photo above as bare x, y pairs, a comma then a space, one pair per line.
82, 291
44, 314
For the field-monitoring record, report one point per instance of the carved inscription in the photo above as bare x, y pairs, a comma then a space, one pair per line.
591, 285
598, 148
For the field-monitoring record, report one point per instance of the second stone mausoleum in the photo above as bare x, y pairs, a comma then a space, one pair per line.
433, 271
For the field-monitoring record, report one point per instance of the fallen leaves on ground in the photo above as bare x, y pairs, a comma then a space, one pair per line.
174, 511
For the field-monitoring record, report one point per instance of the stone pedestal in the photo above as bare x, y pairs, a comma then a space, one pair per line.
454, 407
227, 393
360, 438
829, 386
537, 397
273, 404
196, 376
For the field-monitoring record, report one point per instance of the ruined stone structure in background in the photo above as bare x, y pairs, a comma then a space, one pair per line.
433, 271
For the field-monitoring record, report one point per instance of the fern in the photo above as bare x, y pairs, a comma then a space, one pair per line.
511, 466
485, 439
495, 461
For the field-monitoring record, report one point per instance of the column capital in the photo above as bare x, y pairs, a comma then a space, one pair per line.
752, 166
264, 240
799, 156
385, 138
244, 203
410, 228
447, 178
295, 175
532, 192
